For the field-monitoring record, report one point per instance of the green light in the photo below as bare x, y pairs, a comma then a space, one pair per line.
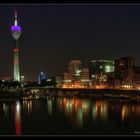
107, 68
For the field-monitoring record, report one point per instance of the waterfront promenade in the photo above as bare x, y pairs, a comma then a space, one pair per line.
101, 93
71, 92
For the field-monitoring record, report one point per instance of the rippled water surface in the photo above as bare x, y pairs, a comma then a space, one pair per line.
69, 116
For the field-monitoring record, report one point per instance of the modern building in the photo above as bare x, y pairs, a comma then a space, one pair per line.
84, 75
74, 69
98, 71
67, 82
72, 77
41, 77
16, 31
112, 82
67, 78
59, 81
136, 78
124, 71
100, 66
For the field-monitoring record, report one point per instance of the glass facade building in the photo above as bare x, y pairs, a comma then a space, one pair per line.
100, 66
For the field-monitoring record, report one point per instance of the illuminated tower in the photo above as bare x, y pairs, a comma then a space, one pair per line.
16, 31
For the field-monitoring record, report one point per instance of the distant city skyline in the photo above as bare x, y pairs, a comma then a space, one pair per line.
55, 34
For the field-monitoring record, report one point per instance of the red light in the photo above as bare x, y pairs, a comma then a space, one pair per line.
15, 62
15, 50
17, 118
17, 126
121, 64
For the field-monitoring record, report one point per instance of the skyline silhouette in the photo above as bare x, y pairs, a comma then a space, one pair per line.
55, 34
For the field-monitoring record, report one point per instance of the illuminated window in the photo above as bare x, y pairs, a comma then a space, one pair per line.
107, 68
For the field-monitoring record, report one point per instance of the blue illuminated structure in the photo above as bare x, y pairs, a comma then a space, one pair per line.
16, 31
41, 77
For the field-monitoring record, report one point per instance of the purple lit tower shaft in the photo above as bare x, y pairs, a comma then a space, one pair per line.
16, 31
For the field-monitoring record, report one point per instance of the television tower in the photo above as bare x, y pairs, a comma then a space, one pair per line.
16, 31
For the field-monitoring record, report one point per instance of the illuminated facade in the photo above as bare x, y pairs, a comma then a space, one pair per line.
72, 76
112, 82
59, 81
84, 74
100, 66
74, 69
136, 78
124, 71
67, 79
16, 31
118, 74
41, 77
85, 77
99, 70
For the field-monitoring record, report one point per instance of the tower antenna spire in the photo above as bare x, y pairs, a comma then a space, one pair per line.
16, 18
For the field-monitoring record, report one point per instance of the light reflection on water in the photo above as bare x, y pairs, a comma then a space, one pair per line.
49, 104
28, 106
80, 114
18, 118
79, 110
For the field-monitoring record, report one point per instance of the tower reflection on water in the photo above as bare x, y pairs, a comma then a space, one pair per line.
17, 117
81, 113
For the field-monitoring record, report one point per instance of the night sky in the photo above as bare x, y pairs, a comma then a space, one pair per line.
54, 34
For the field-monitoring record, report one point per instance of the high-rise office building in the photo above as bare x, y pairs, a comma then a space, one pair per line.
84, 75
41, 77
136, 78
74, 69
124, 70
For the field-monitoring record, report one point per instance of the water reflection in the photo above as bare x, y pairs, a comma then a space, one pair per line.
78, 110
49, 104
124, 112
28, 105
17, 118
136, 110
80, 113
100, 110
79, 117
74, 109
3, 109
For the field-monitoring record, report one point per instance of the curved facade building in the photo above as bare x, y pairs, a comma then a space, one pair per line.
100, 67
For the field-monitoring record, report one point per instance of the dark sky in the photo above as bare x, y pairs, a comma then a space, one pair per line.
54, 34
